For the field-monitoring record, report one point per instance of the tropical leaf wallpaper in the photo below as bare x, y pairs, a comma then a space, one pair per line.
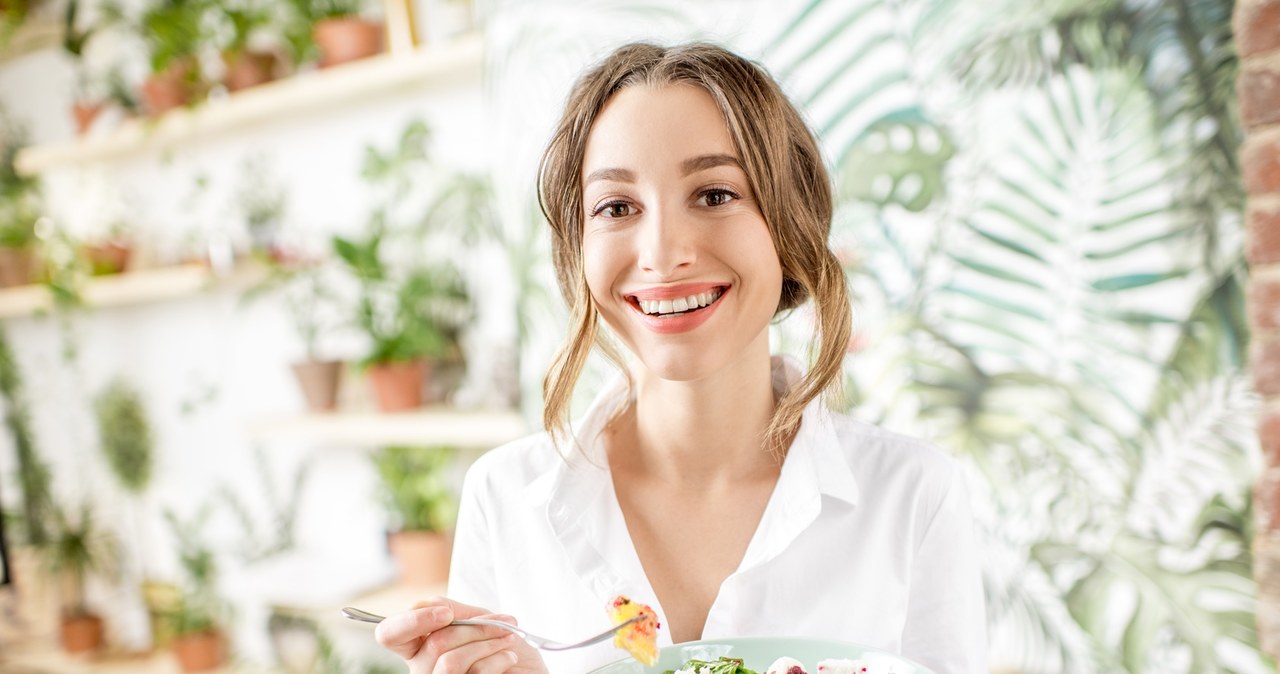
1040, 216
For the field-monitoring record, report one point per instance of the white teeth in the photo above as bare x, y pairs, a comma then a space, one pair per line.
678, 305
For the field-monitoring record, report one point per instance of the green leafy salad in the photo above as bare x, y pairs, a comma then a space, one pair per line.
722, 666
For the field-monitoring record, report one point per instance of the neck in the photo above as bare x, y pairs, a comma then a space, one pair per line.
701, 433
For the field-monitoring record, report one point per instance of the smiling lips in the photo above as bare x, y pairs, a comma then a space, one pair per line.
676, 309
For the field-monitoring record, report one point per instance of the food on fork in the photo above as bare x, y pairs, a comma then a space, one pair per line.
640, 638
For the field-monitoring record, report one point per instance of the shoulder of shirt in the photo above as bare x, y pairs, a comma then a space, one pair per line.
871, 450
516, 464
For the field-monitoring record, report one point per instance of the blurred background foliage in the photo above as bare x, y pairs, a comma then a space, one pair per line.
1040, 214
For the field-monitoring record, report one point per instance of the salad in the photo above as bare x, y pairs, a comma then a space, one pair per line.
783, 665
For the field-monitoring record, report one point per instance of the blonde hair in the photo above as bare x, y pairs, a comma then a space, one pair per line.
787, 175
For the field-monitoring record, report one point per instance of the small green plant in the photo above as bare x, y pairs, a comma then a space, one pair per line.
201, 609
407, 315
172, 30
125, 434
416, 486
262, 201
303, 15
309, 297
19, 194
239, 21
280, 535
77, 550
33, 474
410, 308
12, 15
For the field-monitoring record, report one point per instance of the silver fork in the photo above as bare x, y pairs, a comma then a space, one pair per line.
537, 641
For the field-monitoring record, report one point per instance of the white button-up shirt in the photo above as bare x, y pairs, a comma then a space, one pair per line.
866, 538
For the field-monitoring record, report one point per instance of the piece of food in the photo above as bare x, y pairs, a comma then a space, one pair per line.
785, 665
722, 666
640, 638
843, 667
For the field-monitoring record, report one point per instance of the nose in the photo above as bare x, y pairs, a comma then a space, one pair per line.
666, 243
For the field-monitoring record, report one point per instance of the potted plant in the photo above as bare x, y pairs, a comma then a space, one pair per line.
109, 254
412, 307
124, 433
87, 105
336, 28
19, 211
173, 32
413, 317
196, 620
33, 526
77, 550
422, 508
246, 65
308, 298
261, 199
312, 305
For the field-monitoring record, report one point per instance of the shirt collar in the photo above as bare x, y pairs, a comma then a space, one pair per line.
580, 505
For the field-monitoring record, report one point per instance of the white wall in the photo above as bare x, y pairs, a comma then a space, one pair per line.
208, 366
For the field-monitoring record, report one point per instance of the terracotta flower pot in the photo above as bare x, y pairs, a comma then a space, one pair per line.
398, 386
36, 591
81, 633
249, 69
199, 652
85, 113
346, 39
172, 88
107, 258
422, 556
18, 266
319, 382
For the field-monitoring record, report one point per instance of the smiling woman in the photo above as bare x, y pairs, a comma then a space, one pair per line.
689, 207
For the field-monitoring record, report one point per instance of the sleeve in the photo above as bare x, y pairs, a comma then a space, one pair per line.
946, 626
472, 579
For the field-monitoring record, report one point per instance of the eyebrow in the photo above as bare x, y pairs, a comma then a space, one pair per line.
708, 161
687, 167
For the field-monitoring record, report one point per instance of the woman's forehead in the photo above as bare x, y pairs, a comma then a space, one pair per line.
651, 125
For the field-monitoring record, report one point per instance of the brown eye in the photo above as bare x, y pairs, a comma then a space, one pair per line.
613, 209
716, 197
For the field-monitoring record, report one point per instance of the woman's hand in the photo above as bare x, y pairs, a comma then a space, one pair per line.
430, 645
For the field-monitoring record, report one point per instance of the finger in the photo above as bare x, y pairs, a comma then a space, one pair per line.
497, 663
460, 610
463, 658
456, 636
403, 633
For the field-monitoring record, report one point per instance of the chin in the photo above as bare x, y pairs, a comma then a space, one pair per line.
678, 367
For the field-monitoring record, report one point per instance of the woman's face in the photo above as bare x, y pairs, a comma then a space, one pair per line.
676, 252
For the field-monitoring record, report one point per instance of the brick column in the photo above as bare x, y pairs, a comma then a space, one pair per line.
1257, 37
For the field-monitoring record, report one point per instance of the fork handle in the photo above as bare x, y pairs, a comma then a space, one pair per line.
367, 617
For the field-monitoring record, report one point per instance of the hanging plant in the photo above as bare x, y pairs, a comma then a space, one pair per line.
126, 436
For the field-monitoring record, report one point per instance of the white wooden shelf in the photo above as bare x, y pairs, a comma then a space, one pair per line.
429, 426
131, 288
35, 34
318, 90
